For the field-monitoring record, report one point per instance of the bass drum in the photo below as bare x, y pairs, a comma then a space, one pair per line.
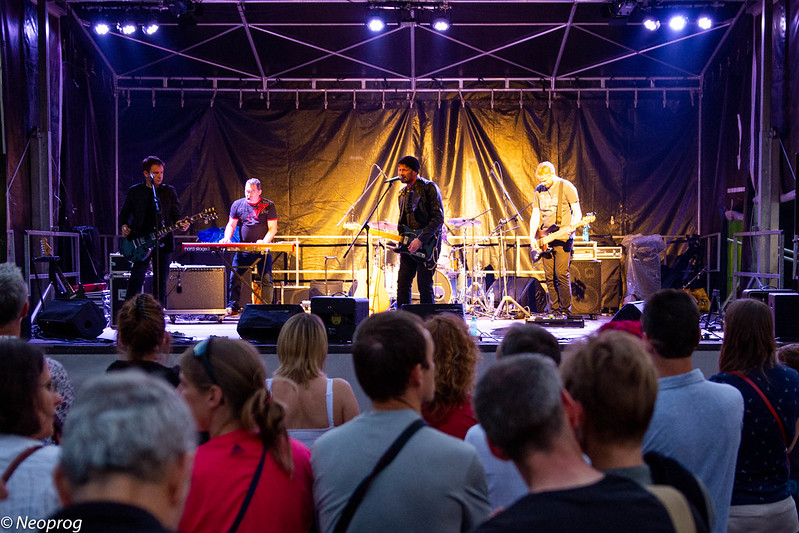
442, 289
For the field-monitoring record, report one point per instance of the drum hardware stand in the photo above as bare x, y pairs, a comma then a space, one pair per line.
327, 258
507, 303
474, 296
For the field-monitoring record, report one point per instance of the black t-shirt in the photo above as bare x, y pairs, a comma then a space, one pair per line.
612, 505
253, 218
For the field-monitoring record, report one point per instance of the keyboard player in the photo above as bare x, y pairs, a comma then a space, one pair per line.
257, 219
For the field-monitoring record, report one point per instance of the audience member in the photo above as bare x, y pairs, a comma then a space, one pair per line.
696, 422
314, 402
633, 327
529, 338
27, 409
455, 355
13, 310
249, 476
435, 483
127, 455
142, 338
761, 499
505, 483
614, 382
789, 355
529, 419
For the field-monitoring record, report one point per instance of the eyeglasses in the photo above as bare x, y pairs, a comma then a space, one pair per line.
201, 352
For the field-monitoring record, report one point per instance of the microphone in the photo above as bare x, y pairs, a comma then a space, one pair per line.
392, 180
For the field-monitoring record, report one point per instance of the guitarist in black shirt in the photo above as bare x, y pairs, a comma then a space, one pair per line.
139, 216
422, 212
555, 205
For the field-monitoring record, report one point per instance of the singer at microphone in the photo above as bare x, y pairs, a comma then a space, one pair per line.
392, 180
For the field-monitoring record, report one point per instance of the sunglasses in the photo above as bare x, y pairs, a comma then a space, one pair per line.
201, 352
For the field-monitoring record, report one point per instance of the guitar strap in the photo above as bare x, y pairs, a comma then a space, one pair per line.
559, 216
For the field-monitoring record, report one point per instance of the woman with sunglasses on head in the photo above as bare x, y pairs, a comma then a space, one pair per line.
249, 476
143, 340
314, 402
761, 500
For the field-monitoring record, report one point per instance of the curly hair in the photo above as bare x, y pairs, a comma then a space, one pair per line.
456, 356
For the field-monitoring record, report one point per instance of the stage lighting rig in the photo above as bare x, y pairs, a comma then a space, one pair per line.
380, 14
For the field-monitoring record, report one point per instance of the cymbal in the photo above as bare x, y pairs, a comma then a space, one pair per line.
352, 225
462, 222
383, 225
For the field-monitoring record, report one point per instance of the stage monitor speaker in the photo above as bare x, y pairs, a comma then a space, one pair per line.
528, 292
263, 322
118, 289
196, 288
630, 311
586, 281
70, 319
341, 315
426, 310
784, 309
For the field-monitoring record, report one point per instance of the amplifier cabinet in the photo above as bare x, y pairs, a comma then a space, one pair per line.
196, 290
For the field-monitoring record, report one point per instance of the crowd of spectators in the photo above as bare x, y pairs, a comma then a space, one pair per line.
618, 433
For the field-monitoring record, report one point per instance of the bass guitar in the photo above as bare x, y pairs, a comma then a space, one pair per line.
553, 233
139, 248
426, 254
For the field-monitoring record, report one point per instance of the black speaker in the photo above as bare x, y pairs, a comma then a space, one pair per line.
528, 292
263, 322
611, 285
784, 310
586, 282
341, 315
118, 289
425, 310
70, 319
630, 311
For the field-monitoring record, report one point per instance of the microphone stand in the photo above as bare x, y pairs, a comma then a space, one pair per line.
368, 186
365, 226
508, 200
159, 223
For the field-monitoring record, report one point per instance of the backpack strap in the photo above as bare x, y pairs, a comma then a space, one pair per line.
24, 454
676, 506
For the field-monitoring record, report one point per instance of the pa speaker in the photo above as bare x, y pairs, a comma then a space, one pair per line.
784, 310
630, 311
263, 322
586, 282
341, 315
425, 310
70, 319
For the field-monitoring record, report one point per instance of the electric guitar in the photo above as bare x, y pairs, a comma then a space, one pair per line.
139, 248
426, 254
553, 233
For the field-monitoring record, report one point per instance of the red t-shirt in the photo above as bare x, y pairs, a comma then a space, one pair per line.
455, 422
223, 470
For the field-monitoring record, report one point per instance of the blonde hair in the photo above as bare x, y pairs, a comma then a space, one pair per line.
236, 368
302, 348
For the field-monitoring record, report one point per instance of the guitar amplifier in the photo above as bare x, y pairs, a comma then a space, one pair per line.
196, 290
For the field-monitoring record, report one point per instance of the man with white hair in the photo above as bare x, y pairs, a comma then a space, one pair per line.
127, 455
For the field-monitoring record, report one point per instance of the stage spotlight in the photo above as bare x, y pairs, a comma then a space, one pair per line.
651, 23
127, 27
375, 23
440, 22
704, 22
678, 22
622, 8
150, 28
101, 28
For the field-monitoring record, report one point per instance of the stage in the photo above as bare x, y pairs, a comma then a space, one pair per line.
84, 359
